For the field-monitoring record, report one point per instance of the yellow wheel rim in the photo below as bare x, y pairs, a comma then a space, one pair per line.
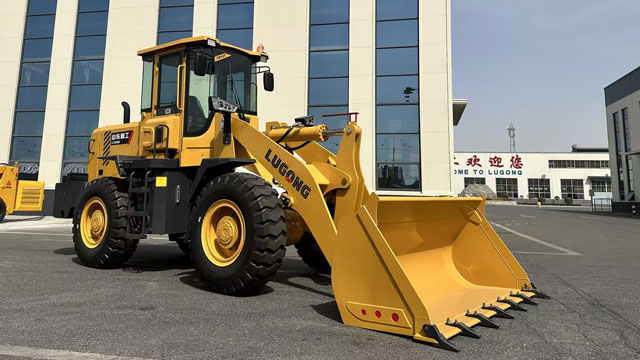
223, 232
93, 222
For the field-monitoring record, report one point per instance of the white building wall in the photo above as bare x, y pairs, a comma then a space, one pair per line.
533, 166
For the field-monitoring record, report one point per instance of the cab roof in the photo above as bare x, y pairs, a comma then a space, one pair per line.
197, 40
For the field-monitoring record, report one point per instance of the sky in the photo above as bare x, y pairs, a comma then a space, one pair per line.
541, 64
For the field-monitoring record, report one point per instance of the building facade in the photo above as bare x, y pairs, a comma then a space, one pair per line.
67, 65
622, 99
536, 175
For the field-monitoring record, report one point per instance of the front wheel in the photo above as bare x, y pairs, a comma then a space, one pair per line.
238, 234
100, 225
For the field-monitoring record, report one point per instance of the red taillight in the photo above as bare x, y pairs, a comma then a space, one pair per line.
378, 314
363, 312
395, 317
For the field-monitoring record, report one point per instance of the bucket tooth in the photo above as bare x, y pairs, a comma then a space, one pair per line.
499, 312
464, 329
525, 299
537, 294
441, 341
484, 320
511, 303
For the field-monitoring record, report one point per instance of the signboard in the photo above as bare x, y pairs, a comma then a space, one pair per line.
499, 165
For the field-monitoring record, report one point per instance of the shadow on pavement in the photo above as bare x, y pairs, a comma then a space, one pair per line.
603, 214
329, 310
193, 279
65, 251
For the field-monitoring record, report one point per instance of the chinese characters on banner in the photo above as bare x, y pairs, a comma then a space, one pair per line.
497, 165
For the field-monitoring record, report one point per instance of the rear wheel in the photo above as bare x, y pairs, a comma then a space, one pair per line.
311, 254
238, 233
3, 210
100, 224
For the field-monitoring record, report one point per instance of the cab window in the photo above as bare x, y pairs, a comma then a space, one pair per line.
147, 83
168, 84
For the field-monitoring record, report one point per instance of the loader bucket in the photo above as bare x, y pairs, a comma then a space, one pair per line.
430, 268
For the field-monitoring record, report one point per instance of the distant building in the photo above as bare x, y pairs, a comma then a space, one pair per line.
537, 175
622, 100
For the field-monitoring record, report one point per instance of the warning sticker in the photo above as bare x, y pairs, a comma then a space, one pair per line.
123, 137
221, 57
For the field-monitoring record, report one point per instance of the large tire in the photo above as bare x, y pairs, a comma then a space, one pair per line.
182, 241
3, 210
311, 254
241, 260
102, 246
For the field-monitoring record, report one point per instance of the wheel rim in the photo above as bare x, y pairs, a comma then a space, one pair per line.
93, 222
223, 232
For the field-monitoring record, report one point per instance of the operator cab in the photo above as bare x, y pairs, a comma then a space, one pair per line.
196, 85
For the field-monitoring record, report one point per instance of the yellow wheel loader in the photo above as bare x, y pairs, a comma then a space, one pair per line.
18, 195
197, 168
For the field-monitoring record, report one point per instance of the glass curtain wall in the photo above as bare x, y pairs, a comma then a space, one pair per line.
32, 87
619, 165
86, 83
175, 20
397, 95
235, 23
627, 148
329, 65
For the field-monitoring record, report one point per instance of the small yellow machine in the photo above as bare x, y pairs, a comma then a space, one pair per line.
18, 195
429, 268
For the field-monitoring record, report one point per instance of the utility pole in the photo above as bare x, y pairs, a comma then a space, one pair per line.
512, 138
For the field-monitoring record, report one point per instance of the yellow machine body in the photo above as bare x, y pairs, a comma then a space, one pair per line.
19, 195
415, 266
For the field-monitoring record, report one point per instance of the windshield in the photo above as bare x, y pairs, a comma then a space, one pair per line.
228, 65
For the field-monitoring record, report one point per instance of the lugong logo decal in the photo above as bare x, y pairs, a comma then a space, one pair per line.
289, 175
123, 137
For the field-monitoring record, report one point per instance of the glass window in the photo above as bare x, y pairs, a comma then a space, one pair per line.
328, 91
329, 37
75, 148
32, 98
93, 5
396, 9
87, 72
398, 148
630, 180
572, 188
233, 1
472, 181
168, 77
397, 89
507, 188
329, 63
400, 61
29, 123
93, 23
147, 83
398, 176
625, 128
90, 47
176, 18
539, 188
26, 148
397, 119
601, 185
85, 97
397, 33
82, 122
42, 7
329, 11
176, 2
165, 37
242, 38
40, 26
235, 16
37, 50
34, 74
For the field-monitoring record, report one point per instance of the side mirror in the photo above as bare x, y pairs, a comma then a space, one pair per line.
268, 81
200, 64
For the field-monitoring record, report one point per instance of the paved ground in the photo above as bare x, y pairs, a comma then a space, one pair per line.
52, 307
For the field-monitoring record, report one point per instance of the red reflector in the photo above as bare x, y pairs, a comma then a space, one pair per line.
378, 314
363, 312
394, 317
9, 183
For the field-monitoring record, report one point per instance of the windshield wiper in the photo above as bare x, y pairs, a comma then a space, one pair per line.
235, 95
